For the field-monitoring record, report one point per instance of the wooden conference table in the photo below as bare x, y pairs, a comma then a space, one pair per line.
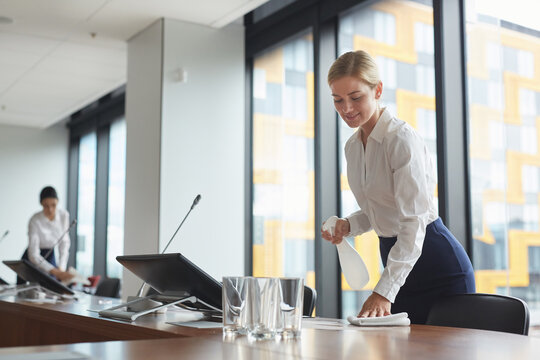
85, 333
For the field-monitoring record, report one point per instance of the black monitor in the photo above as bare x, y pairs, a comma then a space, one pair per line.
30, 272
174, 275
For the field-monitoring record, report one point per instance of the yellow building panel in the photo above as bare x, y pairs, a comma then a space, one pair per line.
258, 260
310, 279
299, 230
267, 176
310, 90
272, 64
407, 10
478, 35
311, 204
512, 84
524, 42
272, 258
399, 52
294, 127
515, 162
409, 102
517, 275
480, 118
406, 14
267, 144
488, 196
492, 195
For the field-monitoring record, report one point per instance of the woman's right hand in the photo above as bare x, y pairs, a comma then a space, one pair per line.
342, 228
61, 275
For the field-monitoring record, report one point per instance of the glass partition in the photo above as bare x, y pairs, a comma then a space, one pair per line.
283, 160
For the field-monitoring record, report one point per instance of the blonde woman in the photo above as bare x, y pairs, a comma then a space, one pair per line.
392, 177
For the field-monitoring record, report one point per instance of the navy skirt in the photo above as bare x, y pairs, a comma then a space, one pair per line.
51, 259
443, 269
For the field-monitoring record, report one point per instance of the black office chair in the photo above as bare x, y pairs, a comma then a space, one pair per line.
109, 287
310, 299
481, 311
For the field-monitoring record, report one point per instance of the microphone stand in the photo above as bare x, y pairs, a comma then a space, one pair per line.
57, 241
195, 202
149, 302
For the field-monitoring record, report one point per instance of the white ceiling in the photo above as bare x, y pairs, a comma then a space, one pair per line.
60, 55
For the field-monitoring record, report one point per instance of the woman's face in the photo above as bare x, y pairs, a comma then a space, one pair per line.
49, 207
355, 100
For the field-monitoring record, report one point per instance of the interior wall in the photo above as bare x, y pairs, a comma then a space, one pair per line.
202, 147
143, 137
30, 159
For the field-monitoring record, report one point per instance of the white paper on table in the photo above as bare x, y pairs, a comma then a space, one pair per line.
202, 324
351, 262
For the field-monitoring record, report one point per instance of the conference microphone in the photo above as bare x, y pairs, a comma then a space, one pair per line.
59, 239
195, 202
5, 234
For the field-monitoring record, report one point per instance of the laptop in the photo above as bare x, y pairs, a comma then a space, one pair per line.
31, 273
174, 275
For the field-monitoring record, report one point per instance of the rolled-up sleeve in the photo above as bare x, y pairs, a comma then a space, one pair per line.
359, 222
412, 198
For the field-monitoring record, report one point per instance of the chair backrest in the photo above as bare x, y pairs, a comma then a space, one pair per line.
109, 287
481, 311
310, 299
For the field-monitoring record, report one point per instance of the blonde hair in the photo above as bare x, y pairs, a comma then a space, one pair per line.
358, 64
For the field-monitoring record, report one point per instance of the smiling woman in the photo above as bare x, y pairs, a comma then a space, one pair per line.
356, 102
391, 175
400, 38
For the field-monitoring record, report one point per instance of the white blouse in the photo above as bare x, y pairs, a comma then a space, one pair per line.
393, 181
43, 234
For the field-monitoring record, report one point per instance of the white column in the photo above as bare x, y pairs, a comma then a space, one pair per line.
183, 139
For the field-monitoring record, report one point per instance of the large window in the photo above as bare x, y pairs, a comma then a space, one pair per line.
117, 182
488, 94
97, 185
503, 73
283, 162
86, 204
399, 35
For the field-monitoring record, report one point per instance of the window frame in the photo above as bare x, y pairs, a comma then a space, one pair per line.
96, 117
454, 195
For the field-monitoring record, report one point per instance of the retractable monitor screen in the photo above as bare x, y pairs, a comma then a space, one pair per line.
30, 272
174, 275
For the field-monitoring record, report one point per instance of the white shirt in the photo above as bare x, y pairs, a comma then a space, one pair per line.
43, 234
393, 181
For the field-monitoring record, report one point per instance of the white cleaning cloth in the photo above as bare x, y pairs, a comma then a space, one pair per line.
399, 319
77, 278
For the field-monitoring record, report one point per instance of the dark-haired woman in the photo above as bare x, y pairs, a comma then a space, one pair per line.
44, 229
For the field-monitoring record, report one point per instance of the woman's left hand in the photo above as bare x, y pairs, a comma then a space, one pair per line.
375, 305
